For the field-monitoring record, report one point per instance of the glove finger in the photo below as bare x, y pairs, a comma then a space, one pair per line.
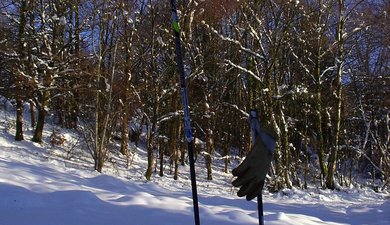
245, 189
255, 191
251, 190
241, 168
241, 180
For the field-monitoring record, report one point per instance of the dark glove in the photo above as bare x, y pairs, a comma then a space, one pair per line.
252, 171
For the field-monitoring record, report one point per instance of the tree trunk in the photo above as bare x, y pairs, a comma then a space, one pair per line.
161, 154
318, 121
181, 144
99, 162
286, 153
150, 142
19, 79
306, 139
125, 132
339, 61
209, 139
149, 170
40, 123
226, 153
176, 173
32, 114
19, 120
41, 116
209, 150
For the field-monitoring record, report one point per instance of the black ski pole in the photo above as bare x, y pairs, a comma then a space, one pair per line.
260, 208
183, 89
255, 130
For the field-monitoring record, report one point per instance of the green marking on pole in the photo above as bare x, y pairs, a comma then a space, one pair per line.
176, 26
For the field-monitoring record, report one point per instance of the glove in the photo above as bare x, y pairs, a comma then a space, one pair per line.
252, 171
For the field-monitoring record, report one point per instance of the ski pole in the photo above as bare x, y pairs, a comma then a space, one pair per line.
255, 131
183, 89
260, 208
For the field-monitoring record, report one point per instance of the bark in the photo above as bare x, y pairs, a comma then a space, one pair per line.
339, 61
209, 140
41, 118
226, 154
176, 134
161, 158
32, 114
286, 153
19, 79
125, 132
150, 136
306, 140
318, 120
181, 144
149, 170
176, 172
19, 120
40, 124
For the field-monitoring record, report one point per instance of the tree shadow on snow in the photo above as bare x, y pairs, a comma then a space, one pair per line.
293, 213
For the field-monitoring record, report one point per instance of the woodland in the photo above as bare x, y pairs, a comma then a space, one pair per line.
317, 71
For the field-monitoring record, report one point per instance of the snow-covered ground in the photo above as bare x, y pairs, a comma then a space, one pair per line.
45, 185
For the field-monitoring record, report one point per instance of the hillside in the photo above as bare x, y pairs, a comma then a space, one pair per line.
46, 185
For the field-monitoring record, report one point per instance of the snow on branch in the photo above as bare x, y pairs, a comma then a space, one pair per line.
327, 70
245, 114
243, 69
169, 116
369, 159
247, 50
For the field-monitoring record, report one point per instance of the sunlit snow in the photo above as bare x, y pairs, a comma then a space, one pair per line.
46, 185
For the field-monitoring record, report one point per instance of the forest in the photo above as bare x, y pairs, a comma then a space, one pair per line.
317, 71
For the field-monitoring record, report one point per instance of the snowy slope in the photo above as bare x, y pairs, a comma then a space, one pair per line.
42, 185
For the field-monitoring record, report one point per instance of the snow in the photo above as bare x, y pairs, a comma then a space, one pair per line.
45, 185
62, 20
